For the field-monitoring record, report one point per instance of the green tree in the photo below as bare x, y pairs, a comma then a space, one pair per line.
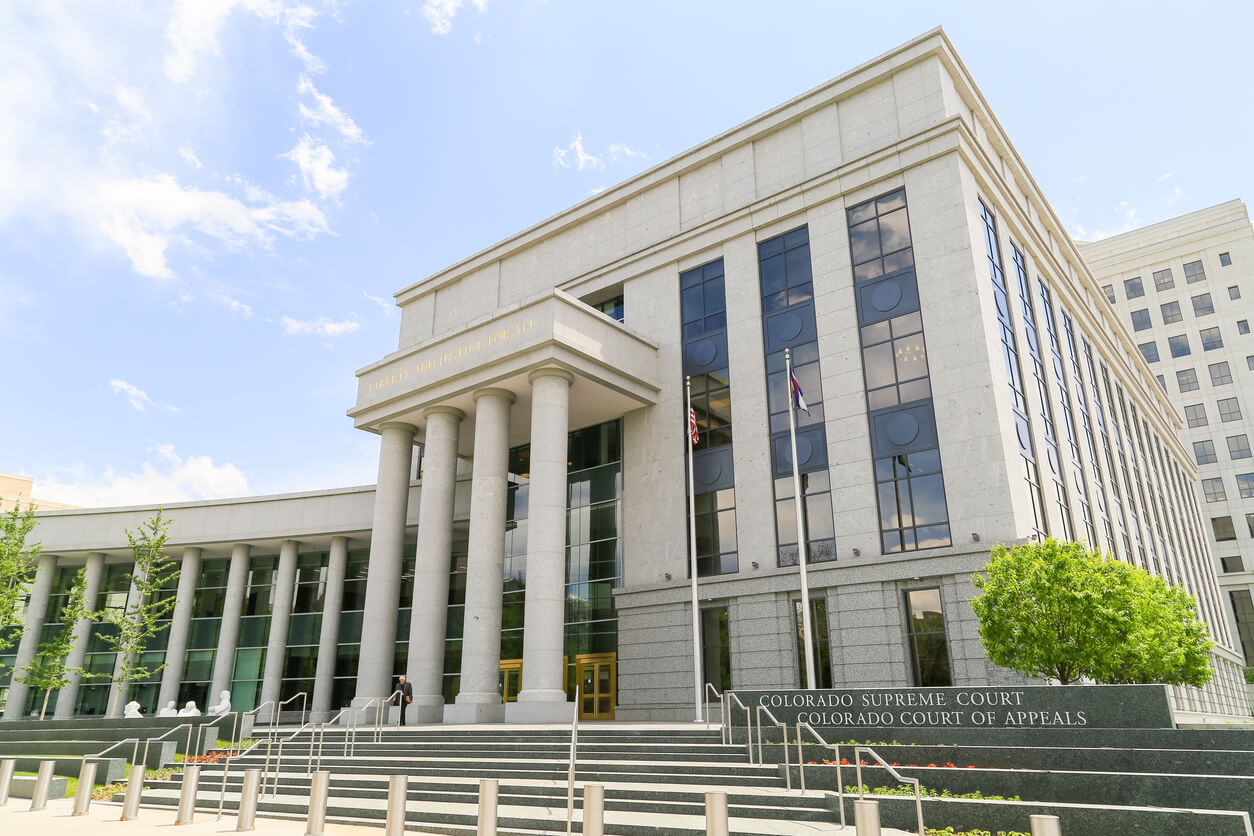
149, 602
17, 571
1058, 610
47, 671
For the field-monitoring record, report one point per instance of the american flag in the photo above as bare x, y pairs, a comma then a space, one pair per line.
692, 426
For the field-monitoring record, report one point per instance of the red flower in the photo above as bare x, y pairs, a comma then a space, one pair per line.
932, 765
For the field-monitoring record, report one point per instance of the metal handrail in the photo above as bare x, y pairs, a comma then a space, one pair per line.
320, 731
918, 795
570, 770
278, 761
783, 742
731, 695
278, 709
378, 703
226, 768
709, 686
167, 734
200, 730
835, 747
379, 711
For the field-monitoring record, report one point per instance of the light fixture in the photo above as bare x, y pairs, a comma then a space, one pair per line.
856, 551
755, 563
975, 536
666, 575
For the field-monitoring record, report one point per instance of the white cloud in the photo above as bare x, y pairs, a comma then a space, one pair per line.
322, 326
170, 478
388, 308
440, 14
137, 397
193, 31
574, 152
324, 111
131, 101
317, 168
141, 216
296, 19
236, 305
617, 150
1162, 177
189, 157
1130, 222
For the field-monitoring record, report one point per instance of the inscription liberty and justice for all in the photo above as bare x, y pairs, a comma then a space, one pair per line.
467, 348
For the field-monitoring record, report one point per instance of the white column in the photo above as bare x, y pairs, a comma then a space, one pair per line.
432, 564
34, 625
228, 634
68, 696
479, 700
383, 577
280, 615
542, 698
181, 622
328, 638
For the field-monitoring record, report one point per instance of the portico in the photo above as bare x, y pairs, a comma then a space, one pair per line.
527, 375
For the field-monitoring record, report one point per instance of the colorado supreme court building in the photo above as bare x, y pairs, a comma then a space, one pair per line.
968, 384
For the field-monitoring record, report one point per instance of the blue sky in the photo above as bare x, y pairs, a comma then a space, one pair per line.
206, 205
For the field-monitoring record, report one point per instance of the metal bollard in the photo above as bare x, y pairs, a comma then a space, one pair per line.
7, 768
866, 817
318, 803
187, 795
398, 795
134, 786
716, 814
86, 783
487, 807
248, 800
593, 810
1045, 825
43, 779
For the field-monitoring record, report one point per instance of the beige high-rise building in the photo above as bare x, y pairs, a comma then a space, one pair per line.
1184, 289
16, 491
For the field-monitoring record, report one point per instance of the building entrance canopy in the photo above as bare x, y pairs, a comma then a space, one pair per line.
614, 368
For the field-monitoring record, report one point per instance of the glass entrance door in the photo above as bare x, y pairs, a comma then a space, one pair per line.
597, 674
510, 680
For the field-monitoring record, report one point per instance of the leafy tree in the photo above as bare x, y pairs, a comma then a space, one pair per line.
1058, 610
138, 622
17, 571
48, 671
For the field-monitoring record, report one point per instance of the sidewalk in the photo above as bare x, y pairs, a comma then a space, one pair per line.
102, 819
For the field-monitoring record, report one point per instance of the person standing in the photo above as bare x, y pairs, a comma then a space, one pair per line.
405, 695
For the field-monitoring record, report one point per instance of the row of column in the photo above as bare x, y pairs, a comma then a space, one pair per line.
228, 636
542, 698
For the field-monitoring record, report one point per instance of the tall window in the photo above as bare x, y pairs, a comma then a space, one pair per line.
929, 650
1243, 609
202, 633
703, 310
1018, 403
822, 646
788, 323
904, 443
716, 648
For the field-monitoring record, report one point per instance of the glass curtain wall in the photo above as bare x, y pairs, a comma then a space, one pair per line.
202, 633
93, 690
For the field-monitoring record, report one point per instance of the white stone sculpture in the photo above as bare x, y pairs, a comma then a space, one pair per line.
132, 712
189, 710
170, 710
222, 706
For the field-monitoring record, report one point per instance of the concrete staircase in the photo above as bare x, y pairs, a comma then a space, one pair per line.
655, 780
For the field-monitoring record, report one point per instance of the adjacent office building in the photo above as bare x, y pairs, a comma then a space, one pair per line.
1185, 288
967, 384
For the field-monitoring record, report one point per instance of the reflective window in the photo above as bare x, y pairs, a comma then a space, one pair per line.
1213, 489
1195, 414
1133, 289
929, 650
1232, 564
1163, 280
1243, 610
1245, 485
1149, 351
716, 647
1234, 292
1141, 320
1223, 529
1243, 326
1211, 339
822, 646
1179, 345
1220, 374
1225, 259
1186, 379
1171, 312
1239, 446
1193, 272
1204, 452
1202, 305
1109, 290
1229, 410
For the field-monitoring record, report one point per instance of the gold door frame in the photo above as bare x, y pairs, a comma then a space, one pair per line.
597, 703
508, 667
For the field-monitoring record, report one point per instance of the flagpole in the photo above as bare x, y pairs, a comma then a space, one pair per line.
806, 633
692, 562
